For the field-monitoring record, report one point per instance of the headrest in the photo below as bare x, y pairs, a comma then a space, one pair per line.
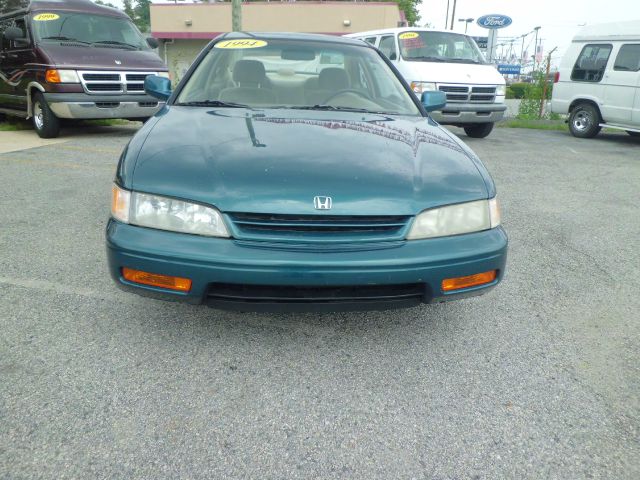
248, 71
333, 79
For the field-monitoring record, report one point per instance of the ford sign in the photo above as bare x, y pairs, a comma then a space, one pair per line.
494, 21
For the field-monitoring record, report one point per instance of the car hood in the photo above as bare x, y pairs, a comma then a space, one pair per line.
442, 72
277, 161
88, 58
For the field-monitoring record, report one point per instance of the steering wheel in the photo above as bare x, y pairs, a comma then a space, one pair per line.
347, 90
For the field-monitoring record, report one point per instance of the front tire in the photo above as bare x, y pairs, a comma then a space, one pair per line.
480, 130
46, 124
584, 121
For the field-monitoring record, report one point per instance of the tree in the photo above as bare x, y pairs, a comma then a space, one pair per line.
410, 9
106, 4
128, 9
142, 14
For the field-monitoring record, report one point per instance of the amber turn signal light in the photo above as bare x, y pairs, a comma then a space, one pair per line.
155, 280
52, 76
457, 283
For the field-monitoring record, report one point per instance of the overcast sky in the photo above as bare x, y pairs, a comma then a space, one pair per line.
559, 19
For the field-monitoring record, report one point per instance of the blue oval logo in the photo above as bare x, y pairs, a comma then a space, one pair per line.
494, 21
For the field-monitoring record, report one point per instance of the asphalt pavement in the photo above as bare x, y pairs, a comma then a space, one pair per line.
538, 379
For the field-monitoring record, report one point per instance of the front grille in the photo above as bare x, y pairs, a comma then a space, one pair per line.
318, 228
230, 294
114, 82
103, 87
101, 77
137, 77
147, 104
468, 93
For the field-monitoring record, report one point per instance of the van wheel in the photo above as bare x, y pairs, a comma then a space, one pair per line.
584, 121
46, 124
478, 131
633, 134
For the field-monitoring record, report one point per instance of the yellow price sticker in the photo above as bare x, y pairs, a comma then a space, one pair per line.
241, 43
45, 17
408, 35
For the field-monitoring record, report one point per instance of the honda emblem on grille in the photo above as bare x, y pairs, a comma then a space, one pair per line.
322, 203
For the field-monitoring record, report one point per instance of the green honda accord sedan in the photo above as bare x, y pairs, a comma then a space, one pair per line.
300, 172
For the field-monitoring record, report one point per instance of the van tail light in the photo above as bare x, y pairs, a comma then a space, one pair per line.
556, 77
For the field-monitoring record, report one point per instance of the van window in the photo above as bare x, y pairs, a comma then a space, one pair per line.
371, 40
388, 46
7, 44
628, 59
591, 63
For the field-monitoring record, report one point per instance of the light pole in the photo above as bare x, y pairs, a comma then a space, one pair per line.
446, 18
453, 13
466, 24
236, 15
535, 47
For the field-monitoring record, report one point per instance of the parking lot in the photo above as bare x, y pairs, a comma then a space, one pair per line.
538, 379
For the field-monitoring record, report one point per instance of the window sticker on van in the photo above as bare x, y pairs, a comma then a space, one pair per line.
46, 17
241, 43
408, 35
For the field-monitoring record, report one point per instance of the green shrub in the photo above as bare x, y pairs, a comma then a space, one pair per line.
518, 89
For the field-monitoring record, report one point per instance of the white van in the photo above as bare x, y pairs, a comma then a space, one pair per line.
452, 63
598, 83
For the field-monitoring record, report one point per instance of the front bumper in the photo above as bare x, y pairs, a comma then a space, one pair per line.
466, 113
211, 261
84, 106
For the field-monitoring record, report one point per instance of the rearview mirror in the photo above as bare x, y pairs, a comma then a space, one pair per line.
158, 87
433, 100
152, 42
15, 34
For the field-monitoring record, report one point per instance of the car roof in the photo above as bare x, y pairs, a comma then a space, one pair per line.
87, 6
309, 37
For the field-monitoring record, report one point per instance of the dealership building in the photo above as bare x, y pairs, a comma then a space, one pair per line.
184, 29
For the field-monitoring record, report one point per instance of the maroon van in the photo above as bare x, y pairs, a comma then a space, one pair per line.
73, 59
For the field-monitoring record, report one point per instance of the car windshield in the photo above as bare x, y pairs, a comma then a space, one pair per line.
438, 47
97, 30
296, 74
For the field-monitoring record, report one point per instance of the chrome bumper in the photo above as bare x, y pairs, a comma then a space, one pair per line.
81, 106
464, 113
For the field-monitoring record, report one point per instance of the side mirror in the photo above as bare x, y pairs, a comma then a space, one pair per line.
15, 34
433, 100
158, 87
152, 42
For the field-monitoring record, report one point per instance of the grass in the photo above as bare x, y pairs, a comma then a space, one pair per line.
542, 124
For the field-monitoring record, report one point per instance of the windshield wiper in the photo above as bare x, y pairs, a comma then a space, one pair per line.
462, 60
67, 39
338, 109
211, 103
115, 42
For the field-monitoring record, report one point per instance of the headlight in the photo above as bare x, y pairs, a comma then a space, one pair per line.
164, 213
501, 90
61, 76
456, 219
163, 74
419, 87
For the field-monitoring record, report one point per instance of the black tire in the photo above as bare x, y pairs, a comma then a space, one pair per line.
46, 124
480, 130
584, 121
633, 134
